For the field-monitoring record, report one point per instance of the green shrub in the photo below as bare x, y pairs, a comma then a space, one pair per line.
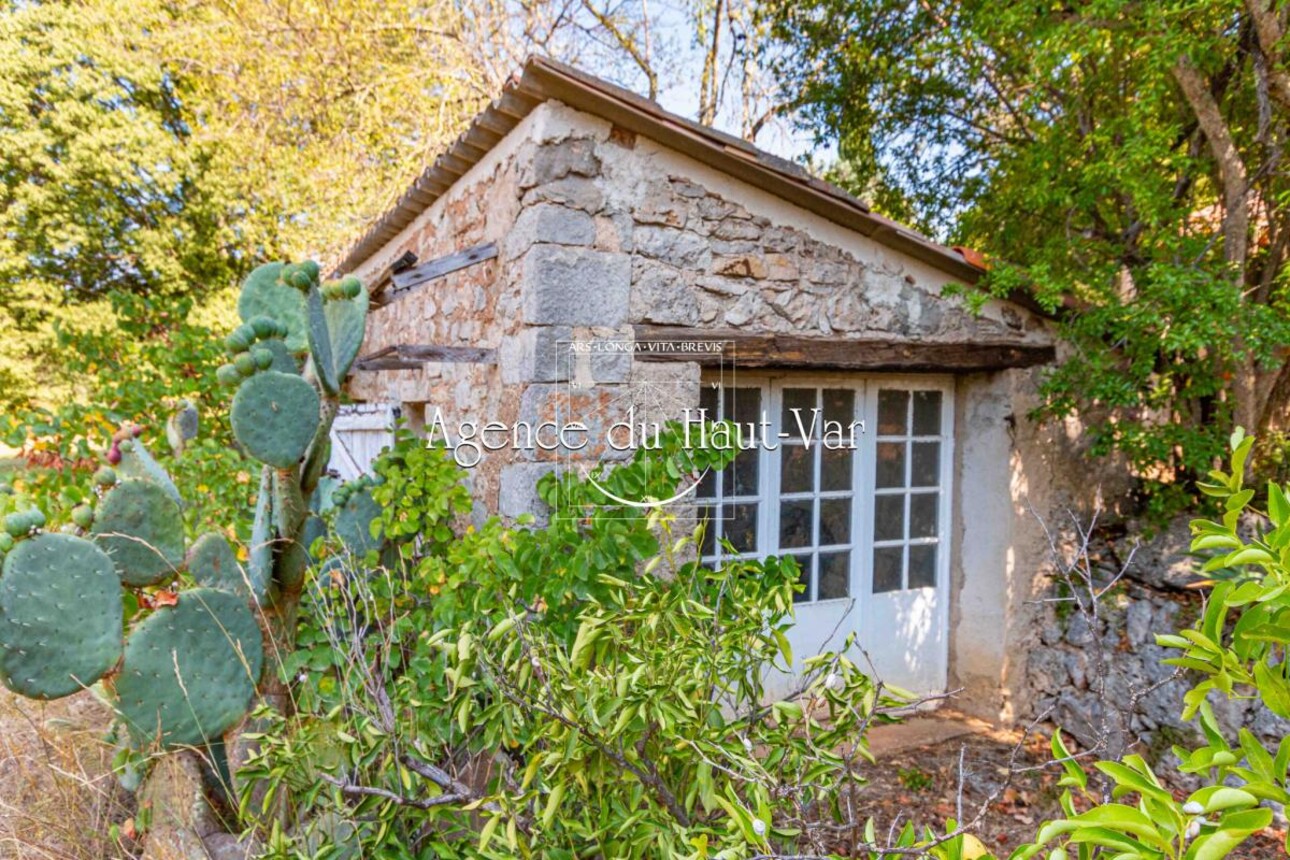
587, 686
1237, 648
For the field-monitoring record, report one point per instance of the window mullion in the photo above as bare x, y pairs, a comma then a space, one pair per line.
768, 521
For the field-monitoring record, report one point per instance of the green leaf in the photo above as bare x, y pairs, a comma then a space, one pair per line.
1075, 775
1273, 689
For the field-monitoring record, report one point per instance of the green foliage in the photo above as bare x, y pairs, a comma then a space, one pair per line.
192, 660
104, 189
586, 686
153, 354
1236, 648
1065, 143
420, 493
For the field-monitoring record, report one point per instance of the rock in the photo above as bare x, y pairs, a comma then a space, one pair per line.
552, 224
663, 297
1164, 561
1077, 630
1137, 622
735, 228
686, 188
781, 239
576, 191
745, 310
173, 843
1075, 669
659, 210
537, 354
575, 286
829, 273
517, 493
713, 208
175, 796
574, 156
615, 232
679, 248
226, 846
1060, 666
722, 286
780, 267
740, 267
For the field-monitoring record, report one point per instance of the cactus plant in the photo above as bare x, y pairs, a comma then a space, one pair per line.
265, 294
140, 527
60, 616
190, 669
356, 511
187, 671
212, 562
337, 315
275, 417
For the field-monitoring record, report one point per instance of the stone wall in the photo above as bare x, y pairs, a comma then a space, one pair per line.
598, 230
1151, 598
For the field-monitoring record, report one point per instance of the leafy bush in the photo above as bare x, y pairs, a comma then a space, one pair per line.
527, 692
1236, 648
538, 692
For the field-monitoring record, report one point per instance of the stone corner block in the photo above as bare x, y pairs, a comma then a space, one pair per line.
517, 489
537, 354
548, 223
575, 286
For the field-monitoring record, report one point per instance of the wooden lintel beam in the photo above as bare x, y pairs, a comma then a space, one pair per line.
440, 266
731, 348
412, 357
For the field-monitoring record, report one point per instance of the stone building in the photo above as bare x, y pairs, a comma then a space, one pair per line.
579, 252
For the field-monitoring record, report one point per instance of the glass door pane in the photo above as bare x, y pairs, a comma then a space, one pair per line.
816, 457
731, 501
907, 489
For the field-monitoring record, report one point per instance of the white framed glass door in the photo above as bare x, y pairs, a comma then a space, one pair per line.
850, 476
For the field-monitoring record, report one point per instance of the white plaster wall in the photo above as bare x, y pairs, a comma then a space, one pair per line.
984, 565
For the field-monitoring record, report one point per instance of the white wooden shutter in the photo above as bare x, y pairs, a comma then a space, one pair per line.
361, 431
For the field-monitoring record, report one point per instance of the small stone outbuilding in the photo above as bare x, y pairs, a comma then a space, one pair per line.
581, 254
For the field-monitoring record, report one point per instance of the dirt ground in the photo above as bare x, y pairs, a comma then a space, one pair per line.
58, 799
919, 781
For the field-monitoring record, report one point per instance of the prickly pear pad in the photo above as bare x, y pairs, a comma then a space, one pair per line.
275, 417
260, 552
354, 523
212, 563
336, 328
283, 360
264, 295
190, 669
60, 616
139, 525
138, 463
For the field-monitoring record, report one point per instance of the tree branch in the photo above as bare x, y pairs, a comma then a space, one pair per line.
1231, 169
1268, 31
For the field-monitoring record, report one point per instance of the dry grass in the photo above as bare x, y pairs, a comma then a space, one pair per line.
58, 797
